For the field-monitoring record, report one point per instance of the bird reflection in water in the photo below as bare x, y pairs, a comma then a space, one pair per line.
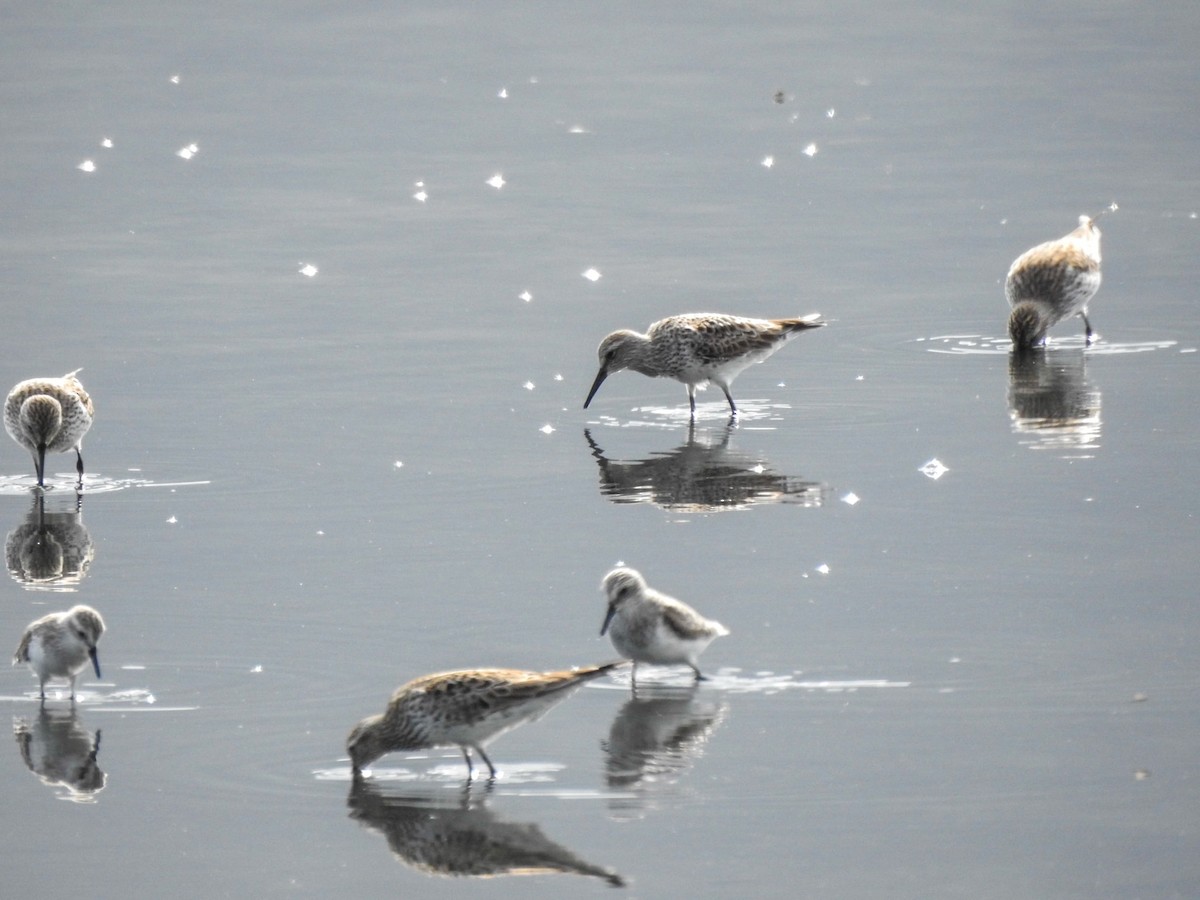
1051, 404
50, 550
62, 753
656, 737
463, 838
701, 475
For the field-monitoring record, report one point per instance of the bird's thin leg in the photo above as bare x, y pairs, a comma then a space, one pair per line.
699, 677
729, 397
491, 768
692, 399
1087, 326
79, 465
470, 765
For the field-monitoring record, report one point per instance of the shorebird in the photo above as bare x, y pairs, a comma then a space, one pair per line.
49, 415
696, 349
60, 645
647, 626
466, 708
1051, 282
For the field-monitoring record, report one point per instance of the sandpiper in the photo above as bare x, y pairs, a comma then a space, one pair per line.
696, 349
1051, 282
49, 415
60, 645
647, 626
466, 708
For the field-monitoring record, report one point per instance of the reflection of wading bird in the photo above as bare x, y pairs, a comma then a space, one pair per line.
464, 841
1051, 282
697, 349
60, 645
647, 626
49, 549
656, 737
49, 415
60, 751
700, 477
466, 709
1051, 402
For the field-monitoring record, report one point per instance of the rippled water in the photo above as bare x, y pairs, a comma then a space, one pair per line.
338, 367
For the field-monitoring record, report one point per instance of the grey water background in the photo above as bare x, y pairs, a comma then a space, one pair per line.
305, 490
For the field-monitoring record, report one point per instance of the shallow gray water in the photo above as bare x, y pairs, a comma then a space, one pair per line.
304, 490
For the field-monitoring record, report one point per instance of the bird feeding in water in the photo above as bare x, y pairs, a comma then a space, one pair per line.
1052, 282
697, 348
49, 415
466, 708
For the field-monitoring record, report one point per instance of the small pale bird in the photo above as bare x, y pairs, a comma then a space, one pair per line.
697, 349
1052, 282
60, 645
49, 415
466, 708
647, 626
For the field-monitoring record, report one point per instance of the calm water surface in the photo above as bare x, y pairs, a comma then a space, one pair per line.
305, 489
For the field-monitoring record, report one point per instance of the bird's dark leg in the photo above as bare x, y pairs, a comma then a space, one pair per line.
79, 465
729, 397
470, 765
1087, 329
491, 768
692, 399
699, 677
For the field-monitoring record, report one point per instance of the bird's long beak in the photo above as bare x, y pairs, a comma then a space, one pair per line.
612, 611
95, 660
600, 376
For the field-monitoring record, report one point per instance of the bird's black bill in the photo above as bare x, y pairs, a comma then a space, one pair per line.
600, 376
95, 661
612, 611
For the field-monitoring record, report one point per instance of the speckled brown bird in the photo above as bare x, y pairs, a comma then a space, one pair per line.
49, 415
466, 708
1051, 282
697, 348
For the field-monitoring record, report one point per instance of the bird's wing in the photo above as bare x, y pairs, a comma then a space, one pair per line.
685, 622
721, 338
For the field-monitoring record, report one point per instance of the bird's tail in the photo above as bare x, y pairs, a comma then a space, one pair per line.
589, 672
801, 323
